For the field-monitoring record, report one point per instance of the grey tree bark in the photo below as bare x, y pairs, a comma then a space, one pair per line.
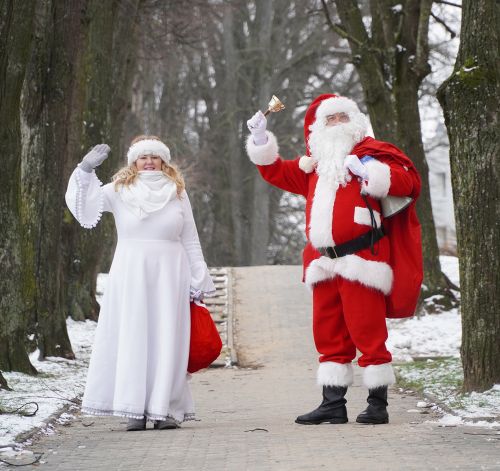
470, 98
106, 74
392, 61
48, 97
16, 21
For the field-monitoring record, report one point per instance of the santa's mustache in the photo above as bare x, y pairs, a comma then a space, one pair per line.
332, 140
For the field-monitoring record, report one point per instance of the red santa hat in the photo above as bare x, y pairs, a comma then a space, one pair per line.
326, 105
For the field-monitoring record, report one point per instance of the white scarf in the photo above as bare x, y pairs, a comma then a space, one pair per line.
150, 192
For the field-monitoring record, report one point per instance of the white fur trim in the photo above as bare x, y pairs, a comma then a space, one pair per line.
333, 105
379, 179
362, 216
375, 376
320, 225
147, 147
370, 273
307, 164
334, 374
265, 154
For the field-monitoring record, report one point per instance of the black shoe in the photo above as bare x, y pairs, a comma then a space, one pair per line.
167, 424
134, 425
376, 412
332, 410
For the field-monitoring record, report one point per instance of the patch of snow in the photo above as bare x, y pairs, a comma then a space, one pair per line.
58, 383
449, 420
431, 335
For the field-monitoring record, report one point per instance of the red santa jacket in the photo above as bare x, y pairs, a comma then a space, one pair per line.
335, 215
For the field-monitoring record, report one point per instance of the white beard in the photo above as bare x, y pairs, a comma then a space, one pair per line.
331, 144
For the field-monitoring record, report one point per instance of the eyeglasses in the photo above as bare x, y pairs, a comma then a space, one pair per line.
337, 118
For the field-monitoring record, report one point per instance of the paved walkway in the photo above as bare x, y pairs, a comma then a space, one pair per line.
247, 414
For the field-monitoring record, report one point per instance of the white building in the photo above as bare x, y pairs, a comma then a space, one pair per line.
442, 196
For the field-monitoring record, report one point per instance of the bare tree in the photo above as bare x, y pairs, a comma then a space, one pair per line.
16, 21
471, 102
391, 58
207, 83
48, 98
105, 74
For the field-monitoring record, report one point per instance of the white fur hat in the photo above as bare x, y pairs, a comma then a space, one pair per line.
148, 147
337, 104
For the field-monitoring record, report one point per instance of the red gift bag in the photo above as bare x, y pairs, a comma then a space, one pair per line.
205, 344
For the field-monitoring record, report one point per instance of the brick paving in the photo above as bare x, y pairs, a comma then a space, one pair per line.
246, 414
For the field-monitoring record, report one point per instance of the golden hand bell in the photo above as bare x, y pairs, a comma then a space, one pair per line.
275, 105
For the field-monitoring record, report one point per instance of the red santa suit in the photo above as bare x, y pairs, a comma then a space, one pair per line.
349, 292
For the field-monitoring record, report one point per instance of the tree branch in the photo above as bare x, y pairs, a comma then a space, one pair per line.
422, 50
444, 2
443, 23
340, 31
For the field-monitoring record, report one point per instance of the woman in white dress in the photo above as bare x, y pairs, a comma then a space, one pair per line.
138, 367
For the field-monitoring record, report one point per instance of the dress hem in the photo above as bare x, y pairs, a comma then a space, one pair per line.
130, 415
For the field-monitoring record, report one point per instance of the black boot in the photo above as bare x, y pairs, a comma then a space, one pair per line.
376, 412
331, 410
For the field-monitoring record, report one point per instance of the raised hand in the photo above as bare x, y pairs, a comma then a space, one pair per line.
257, 126
94, 158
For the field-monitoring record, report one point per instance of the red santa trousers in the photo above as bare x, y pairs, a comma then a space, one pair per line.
348, 315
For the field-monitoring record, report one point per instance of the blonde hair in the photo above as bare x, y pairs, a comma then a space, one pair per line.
127, 175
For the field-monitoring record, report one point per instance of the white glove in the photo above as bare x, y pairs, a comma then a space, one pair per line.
195, 295
257, 126
356, 166
94, 158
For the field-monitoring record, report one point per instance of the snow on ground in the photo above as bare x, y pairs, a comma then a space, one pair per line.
432, 335
59, 381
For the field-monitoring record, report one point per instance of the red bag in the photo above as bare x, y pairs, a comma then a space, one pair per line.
403, 230
206, 344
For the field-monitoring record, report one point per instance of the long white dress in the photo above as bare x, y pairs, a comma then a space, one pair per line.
139, 360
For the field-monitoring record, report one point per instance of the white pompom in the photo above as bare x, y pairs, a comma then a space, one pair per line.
307, 164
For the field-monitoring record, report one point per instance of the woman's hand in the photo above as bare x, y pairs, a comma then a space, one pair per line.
94, 158
196, 295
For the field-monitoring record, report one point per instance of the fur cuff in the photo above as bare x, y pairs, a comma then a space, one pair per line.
375, 376
379, 179
373, 274
265, 154
334, 374
307, 164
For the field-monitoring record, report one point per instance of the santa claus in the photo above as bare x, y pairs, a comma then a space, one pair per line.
360, 265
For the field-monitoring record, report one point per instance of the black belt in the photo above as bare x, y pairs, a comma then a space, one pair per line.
355, 245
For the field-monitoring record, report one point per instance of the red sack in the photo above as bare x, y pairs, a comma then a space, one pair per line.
205, 345
403, 230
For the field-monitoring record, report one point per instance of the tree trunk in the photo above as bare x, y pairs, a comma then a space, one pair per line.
47, 107
370, 66
232, 199
392, 63
106, 77
411, 67
3, 382
16, 20
470, 100
262, 66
